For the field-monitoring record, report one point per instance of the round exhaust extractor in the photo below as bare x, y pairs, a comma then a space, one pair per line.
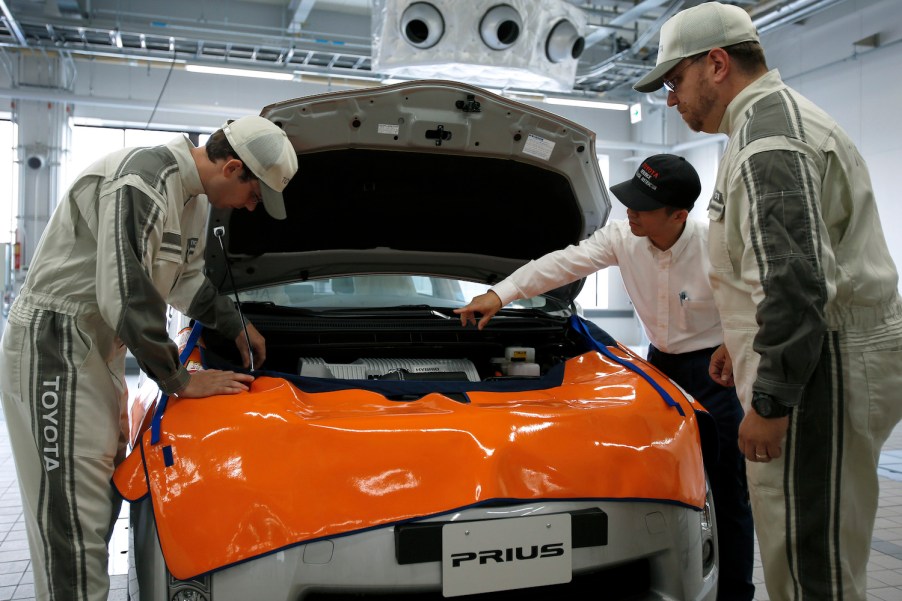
564, 42
500, 27
422, 25
35, 161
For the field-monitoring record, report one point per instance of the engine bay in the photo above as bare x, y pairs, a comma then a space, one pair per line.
368, 348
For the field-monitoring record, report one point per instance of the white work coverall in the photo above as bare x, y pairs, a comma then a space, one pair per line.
808, 297
126, 240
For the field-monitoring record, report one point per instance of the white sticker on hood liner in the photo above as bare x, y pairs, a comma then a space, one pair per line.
386, 128
538, 147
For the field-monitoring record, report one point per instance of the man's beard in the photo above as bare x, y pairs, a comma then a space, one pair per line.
694, 116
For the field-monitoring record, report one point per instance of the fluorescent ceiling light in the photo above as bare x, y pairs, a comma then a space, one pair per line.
592, 104
336, 75
239, 72
524, 95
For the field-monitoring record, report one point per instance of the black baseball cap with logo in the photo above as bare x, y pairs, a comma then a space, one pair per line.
662, 180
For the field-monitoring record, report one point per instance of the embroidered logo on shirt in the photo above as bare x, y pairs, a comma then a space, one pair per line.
716, 207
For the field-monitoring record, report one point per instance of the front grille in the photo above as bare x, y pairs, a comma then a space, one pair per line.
624, 582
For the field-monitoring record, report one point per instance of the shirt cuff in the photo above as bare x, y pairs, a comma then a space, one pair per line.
176, 382
506, 291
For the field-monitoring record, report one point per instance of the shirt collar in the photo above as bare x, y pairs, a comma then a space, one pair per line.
678, 246
181, 148
735, 114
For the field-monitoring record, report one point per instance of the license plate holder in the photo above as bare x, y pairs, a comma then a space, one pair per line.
495, 555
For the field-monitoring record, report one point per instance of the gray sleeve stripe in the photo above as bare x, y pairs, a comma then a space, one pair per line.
172, 238
124, 165
775, 182
785, 237
754, 225
775, 115
795, 118
171, 245
141, 326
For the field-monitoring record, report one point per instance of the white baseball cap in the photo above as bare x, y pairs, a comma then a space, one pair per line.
264, 147
696, 30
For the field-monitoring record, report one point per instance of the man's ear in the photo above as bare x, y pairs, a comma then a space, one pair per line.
681, 216
722, 63
231, 166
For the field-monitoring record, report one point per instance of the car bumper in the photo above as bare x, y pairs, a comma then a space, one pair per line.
646, 551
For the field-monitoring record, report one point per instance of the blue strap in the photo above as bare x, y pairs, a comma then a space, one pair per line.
580, 327
164, 399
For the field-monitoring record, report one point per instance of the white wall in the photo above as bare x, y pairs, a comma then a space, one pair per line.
860, 87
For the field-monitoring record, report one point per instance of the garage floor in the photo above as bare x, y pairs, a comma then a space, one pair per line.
884, 570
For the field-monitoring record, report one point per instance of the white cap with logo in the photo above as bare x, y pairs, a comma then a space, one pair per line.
264, 147
696, 30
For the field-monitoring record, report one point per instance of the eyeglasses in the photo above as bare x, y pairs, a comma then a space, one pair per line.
258, 196
671, 82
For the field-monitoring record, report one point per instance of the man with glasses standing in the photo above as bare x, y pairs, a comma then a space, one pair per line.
808, 297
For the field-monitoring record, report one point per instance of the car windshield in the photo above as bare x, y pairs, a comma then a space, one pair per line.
381, 291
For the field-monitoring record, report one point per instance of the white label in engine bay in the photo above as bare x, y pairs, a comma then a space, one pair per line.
538, 147
387, 128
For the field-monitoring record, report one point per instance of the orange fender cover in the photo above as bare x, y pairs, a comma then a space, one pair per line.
237, 476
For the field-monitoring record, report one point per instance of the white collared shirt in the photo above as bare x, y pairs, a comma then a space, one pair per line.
669, 289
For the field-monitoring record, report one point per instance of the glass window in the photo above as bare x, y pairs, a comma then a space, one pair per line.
90, 143
9, 175
141, 137
362, 291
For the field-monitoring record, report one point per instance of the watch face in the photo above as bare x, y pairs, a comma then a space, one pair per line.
766, 406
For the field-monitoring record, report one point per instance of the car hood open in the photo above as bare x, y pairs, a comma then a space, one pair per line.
429, 177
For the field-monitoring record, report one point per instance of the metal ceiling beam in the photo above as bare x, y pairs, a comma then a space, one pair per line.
789, 12
299, 11
12, 25
633, 50
630, 16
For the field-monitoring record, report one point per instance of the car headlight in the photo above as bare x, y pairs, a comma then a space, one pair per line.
193, 589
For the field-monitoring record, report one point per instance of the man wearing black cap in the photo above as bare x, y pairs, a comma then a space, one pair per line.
663, 259
809, 297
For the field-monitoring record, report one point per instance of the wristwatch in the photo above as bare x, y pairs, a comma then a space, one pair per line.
768, 407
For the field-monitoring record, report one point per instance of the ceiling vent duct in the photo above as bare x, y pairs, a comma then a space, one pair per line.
518, 44
564, 43
422, 25
500, 27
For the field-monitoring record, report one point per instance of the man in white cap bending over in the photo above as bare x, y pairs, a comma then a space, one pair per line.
126, 240
808, 297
